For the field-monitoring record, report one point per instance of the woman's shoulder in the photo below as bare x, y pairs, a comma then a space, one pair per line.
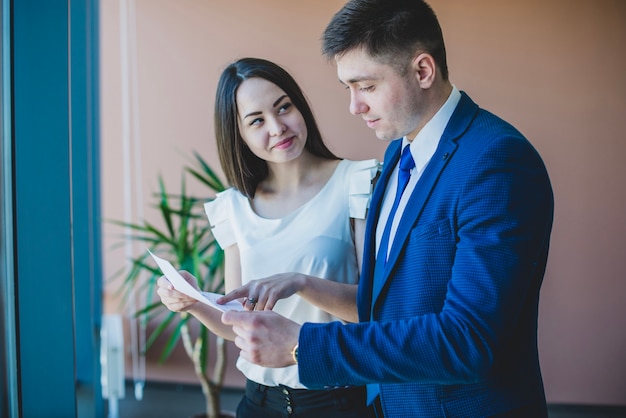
360, 171
371, 165
219, 212
221, 205
228, 194
359, 178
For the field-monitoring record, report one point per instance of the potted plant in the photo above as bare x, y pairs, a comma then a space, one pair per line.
186, 241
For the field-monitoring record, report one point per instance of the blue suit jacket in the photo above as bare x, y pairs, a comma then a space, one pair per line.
453, 330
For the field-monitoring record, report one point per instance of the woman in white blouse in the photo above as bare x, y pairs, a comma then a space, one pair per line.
291, 228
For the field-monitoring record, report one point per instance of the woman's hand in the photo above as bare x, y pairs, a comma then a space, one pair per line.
263, 294
174, 300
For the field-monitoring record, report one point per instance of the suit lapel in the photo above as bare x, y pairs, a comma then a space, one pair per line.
461, 118
364, 297
418, 198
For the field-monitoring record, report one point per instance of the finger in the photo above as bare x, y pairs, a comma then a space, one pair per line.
239, 342
250, 303
269, 299
244, 348
241, 292
190, 278
236, 319
164, 283
169, 294
244, 354
269, 305
161, 291
261, 302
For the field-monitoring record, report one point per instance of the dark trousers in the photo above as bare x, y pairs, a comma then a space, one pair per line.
285, 402
378, 408
536, 410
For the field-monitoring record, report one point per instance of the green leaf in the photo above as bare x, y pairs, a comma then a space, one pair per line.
166, 213
173, 340
185, 239
160, 329
206, 175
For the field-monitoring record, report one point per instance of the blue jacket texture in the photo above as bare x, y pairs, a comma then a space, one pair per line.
452, 330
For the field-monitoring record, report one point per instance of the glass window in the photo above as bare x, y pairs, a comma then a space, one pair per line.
8, 386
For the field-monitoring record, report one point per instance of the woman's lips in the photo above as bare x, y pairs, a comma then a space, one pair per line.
285, 143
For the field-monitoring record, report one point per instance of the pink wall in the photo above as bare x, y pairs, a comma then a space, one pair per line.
555, 69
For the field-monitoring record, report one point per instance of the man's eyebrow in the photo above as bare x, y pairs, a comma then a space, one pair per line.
357, 79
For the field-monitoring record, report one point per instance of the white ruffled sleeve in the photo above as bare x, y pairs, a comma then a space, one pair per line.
219, 211
361, 180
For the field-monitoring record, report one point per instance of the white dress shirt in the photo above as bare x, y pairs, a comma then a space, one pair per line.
423, 147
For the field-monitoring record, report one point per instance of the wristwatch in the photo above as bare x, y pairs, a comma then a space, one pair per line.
294, 353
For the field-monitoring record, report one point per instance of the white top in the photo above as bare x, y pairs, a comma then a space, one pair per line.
423, 147
315, 239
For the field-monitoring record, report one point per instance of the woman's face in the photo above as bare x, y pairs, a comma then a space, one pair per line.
269, 122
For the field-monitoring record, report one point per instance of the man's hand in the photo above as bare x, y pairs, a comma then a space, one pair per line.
264, 337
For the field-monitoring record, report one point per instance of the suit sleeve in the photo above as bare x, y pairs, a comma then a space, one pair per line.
500, 223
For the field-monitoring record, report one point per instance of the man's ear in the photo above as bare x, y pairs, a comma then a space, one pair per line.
425, 69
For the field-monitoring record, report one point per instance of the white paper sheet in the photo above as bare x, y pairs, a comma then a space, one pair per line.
182, 286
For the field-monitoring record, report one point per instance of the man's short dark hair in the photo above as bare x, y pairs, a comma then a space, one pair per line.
391, 31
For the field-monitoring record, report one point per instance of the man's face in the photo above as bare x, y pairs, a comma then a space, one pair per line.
390, 103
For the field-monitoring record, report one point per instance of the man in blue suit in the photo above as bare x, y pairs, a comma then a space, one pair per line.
454, 259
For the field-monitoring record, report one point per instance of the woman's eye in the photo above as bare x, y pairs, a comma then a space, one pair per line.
256, 121
284, 107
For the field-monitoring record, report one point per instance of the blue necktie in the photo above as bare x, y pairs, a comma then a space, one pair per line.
404, 174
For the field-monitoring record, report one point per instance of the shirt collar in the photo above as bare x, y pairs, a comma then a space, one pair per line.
425, 143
